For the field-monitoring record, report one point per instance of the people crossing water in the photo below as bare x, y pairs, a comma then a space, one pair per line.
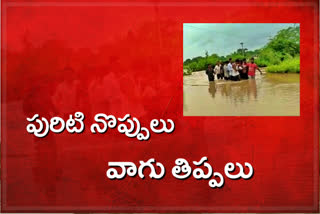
232, 70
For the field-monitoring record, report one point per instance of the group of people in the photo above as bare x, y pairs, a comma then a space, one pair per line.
233, 70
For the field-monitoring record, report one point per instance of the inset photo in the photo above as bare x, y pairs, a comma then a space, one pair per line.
241, 69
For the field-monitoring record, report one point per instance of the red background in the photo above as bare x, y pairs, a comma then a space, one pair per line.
126, 57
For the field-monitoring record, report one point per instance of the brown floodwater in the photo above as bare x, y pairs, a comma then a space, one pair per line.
268, 95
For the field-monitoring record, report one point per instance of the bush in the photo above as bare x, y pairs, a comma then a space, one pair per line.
287, 66
268, 57
187, 70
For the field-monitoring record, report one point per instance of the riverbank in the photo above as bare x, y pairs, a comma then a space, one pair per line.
186, 72
287, 66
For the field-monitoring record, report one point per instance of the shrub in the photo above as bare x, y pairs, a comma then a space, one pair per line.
187, 70
289, 65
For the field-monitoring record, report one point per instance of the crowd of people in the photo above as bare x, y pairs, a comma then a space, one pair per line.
233, 70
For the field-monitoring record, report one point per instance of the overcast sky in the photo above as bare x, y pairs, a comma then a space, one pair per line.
224, 39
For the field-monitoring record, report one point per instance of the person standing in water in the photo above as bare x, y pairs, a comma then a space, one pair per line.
225, 70
234, 74
217, 70
252, 67
245, 69
221, 70
210, 73
229, 67
239, 67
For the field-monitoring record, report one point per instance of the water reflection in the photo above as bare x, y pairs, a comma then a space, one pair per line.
269, 94
212, 89
252, 88
236, 92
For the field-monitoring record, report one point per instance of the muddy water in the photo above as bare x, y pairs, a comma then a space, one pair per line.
267, 95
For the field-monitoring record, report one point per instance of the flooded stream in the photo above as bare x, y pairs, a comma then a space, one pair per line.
269, 94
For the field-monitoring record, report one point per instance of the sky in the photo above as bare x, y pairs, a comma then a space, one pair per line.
224, 39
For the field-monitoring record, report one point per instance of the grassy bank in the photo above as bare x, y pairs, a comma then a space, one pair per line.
287, 66
187, 71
